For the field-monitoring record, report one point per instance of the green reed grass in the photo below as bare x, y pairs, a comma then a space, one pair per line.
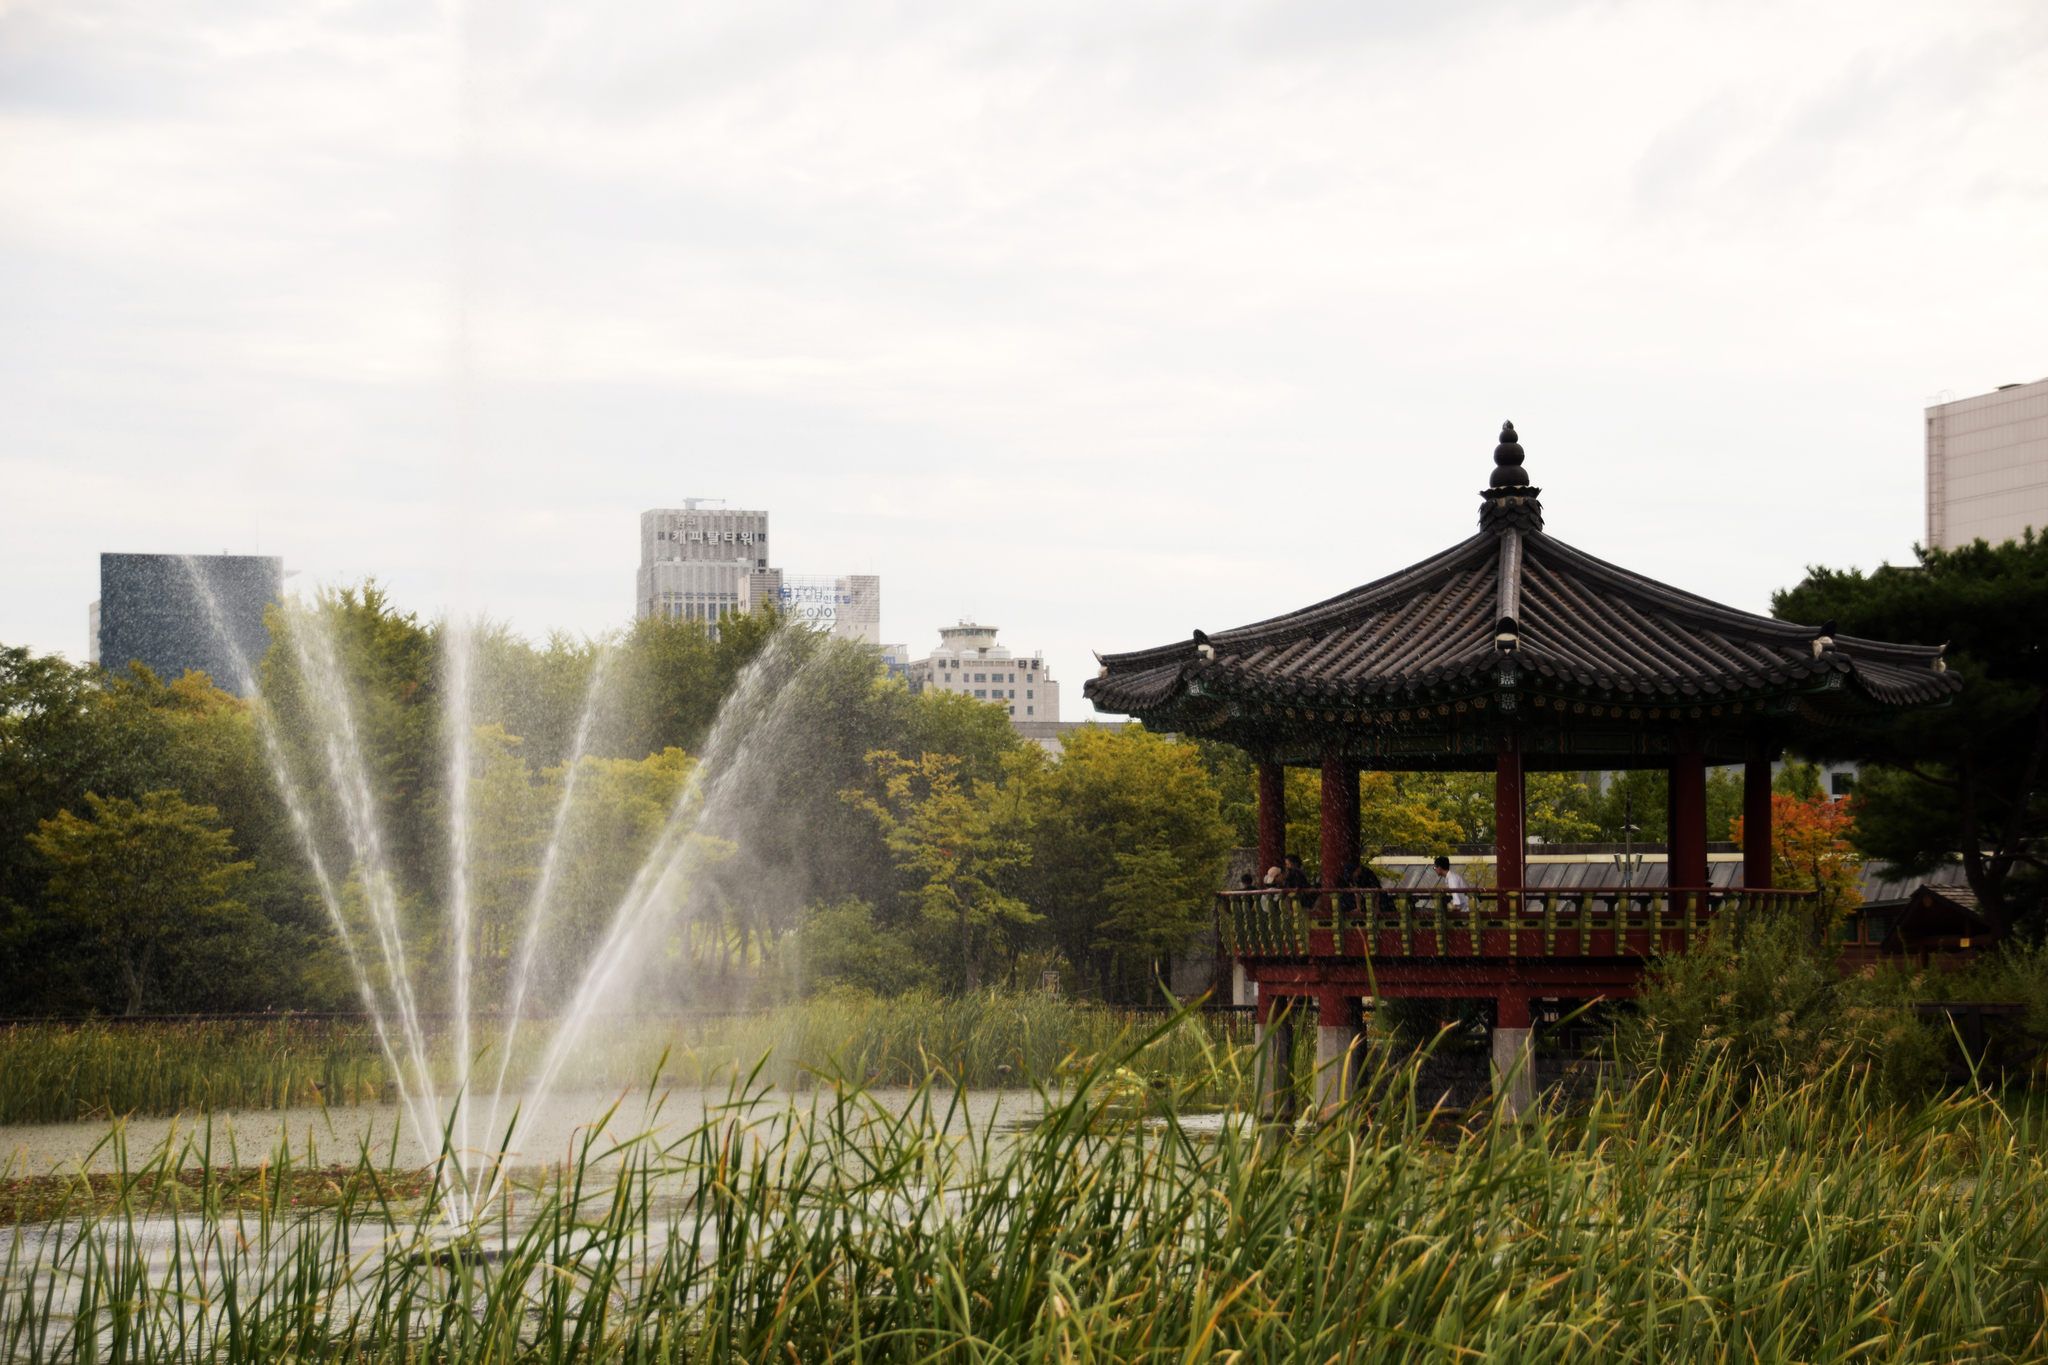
58, 1072
985, 1039
54, 1072
1695, 1221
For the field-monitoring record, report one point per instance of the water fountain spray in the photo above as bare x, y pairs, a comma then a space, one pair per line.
753, 717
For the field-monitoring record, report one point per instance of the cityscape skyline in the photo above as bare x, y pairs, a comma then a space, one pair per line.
1984, 471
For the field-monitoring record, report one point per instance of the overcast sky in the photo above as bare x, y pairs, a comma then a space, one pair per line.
1096, 321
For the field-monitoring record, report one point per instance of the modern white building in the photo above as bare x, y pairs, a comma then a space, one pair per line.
969, 661
1987, 466
848, 608
693, 559
698, 561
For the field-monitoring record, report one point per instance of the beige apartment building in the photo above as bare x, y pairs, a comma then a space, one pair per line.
1987, 466
969, 661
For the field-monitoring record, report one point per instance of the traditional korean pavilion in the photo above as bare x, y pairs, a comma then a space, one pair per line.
1511, 652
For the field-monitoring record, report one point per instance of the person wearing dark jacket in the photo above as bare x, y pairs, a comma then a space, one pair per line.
1356, 876
1296, 879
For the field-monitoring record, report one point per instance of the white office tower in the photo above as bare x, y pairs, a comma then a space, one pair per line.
968, 660
693, 560
1987, 466
848, 608
860, 608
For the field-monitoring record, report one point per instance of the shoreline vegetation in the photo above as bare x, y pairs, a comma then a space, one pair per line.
62, 1071
1702, 1216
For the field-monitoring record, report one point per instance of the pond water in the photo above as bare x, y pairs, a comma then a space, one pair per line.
549, 1135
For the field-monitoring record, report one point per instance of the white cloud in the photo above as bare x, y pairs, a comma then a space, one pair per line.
1212, 309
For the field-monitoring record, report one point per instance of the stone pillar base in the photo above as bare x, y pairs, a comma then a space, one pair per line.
1514, 1069
1276, 1066
1339, 1052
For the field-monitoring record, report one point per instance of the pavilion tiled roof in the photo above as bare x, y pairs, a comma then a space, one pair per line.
1513, 595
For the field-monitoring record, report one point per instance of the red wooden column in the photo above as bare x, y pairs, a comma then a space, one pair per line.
1688, 817
1510, 849
1340, 814
1272, 817
1756, 824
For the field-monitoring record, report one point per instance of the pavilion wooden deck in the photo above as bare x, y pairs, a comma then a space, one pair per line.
1263, 928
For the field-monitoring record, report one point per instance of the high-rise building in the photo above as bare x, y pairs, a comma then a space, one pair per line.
860, 608
848, 608
696, 562
1987, 466
174, 613
969, 661
693, 559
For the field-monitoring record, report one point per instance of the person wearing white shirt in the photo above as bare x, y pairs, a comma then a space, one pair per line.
1449, 880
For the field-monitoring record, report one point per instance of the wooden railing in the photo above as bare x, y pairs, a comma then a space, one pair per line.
1566, 922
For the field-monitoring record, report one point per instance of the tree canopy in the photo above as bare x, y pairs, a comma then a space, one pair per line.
140, 877
1966, 778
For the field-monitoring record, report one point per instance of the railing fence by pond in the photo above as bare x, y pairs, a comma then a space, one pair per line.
1580, 921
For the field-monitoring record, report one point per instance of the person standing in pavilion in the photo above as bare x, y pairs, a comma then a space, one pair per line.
1449, 879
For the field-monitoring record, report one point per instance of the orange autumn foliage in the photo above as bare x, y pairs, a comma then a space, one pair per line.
1811, 850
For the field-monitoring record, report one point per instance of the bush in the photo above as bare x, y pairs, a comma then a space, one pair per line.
1765, 1000
2016, 972
840, 946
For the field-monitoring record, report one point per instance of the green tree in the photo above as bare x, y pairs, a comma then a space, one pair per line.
1393, 813
1235, 778
619, 812
385, 670
510, 816
1556, 807
67, 730
957, 844
539, 692
1965, 778
1395, 810
139, 876
673, 676
1130, 847
843, 944
1641, 797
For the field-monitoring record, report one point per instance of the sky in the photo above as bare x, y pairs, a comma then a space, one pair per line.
1098, 322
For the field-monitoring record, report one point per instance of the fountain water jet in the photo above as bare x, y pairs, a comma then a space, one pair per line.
756, 711
544, 884
456, 708
364, 844
755, 714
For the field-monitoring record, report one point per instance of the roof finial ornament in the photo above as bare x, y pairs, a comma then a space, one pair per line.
1509, 500
1507, 459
